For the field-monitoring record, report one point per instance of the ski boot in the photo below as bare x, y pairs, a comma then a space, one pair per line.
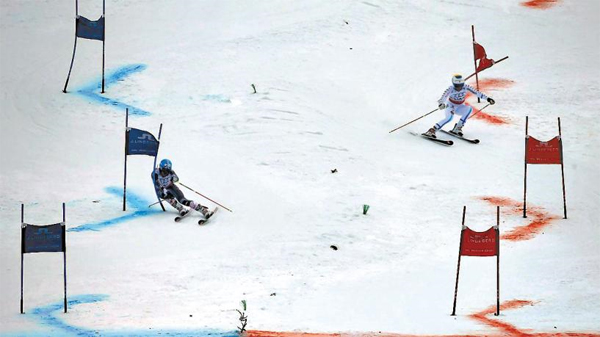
206, 212
457, 129
182, 210
202, 209
430, 133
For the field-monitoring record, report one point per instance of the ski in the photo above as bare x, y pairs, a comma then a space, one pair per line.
472, 141
437, 140
179, 217
205, 220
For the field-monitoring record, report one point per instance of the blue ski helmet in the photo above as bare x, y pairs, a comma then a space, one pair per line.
165, 164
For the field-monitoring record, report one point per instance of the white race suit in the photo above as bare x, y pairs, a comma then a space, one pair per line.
454, 100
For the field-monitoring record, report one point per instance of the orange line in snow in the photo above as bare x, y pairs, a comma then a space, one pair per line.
484, 86
559, 334
529, 231
488, 118
505, 327
257, 333
501, 201
539, 4
495, 83
517, 333
510, 330
539, 219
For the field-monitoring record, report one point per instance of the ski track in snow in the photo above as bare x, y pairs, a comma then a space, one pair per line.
329, 76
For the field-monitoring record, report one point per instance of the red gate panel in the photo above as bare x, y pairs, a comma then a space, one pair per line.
479, 243
539, 152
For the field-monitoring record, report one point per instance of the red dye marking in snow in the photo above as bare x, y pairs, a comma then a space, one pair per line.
530, 231
495, 83
499, 201
487, 85
490, 119
506, 329
539, 219
511, 330
539, 4
487, 117
256, 333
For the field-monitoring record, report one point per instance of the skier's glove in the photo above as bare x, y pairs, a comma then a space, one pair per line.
442, 106
491, 101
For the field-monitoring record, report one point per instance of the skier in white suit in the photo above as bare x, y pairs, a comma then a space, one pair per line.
453, 101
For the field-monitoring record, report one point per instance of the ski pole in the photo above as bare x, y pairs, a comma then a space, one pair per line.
153, 204
479, 110
205, 197
414, 120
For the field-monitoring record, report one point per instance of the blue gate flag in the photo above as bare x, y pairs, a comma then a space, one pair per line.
39, 239
141, 142
87, 29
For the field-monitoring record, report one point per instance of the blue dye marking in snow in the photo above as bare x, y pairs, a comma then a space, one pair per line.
217, 98
135, 202
92, 90
49, 318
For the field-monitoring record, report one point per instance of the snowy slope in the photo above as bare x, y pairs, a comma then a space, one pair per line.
332, 79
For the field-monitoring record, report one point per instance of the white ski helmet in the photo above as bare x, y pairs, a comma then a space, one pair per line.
458, 81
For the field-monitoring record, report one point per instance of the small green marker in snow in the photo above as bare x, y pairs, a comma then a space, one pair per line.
365, 209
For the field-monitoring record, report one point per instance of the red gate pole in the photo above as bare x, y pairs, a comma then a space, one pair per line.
497, 260
462, 231
475, 61
525, 176
562, 169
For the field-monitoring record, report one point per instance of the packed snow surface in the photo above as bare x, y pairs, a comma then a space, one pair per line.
332, 79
